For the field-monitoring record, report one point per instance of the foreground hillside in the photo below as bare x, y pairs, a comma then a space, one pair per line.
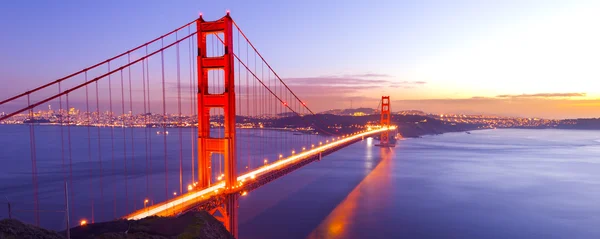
189, 225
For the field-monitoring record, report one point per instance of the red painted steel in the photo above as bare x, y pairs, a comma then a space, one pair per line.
208, 145
385, 120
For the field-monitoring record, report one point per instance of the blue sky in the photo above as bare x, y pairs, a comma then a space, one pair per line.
438, 56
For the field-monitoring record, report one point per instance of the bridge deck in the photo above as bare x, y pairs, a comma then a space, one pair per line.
248, 181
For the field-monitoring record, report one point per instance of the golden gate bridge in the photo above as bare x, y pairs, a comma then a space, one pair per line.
206, 69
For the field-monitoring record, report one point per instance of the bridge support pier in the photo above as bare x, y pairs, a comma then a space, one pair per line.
226, 212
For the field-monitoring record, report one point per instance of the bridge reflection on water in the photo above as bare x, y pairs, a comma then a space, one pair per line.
376, 184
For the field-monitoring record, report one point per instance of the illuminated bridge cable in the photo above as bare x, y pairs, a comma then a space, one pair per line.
65, 120
277, 77
266, 96
90, 68
269, 66
36, 104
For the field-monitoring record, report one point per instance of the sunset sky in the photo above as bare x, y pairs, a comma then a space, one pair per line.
513, 58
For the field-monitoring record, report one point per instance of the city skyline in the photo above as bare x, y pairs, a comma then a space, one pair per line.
80, 117
525, 59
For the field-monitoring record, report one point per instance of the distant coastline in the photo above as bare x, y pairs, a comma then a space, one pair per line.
409, 126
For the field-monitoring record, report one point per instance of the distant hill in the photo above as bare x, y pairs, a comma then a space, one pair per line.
369, 111
366, 111
593, 123
408, 125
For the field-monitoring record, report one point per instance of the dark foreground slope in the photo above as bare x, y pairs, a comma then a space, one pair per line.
10, 228
189, 225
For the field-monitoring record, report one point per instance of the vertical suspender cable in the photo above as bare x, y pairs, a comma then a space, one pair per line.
98, 117
89, 125
112, 143
179, 121
239, 94
145, 123
70, 152
151, 120
33, 155
62, 137
191, 106
131, 125
124, 142
162, 65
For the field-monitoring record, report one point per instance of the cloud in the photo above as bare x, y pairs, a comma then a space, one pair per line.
523, 107
333, 80
543, 95
407, 84
369, 75
317, 90
349, 84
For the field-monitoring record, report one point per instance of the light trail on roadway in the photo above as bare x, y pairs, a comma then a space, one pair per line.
214, 190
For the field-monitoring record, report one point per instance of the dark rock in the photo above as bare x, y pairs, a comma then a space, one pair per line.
189, 225
10, 228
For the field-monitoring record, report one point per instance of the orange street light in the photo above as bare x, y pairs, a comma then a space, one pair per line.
82, 222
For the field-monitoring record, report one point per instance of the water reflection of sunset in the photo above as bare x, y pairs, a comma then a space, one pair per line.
377, 184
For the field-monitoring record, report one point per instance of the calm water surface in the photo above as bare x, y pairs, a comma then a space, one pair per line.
488, 184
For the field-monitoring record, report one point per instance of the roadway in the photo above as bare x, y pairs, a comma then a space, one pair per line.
196, 197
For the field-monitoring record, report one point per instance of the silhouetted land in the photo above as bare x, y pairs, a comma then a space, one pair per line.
408, 125
189, 225
581, 124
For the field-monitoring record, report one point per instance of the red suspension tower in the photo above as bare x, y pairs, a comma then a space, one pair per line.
207, 145
385, 120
